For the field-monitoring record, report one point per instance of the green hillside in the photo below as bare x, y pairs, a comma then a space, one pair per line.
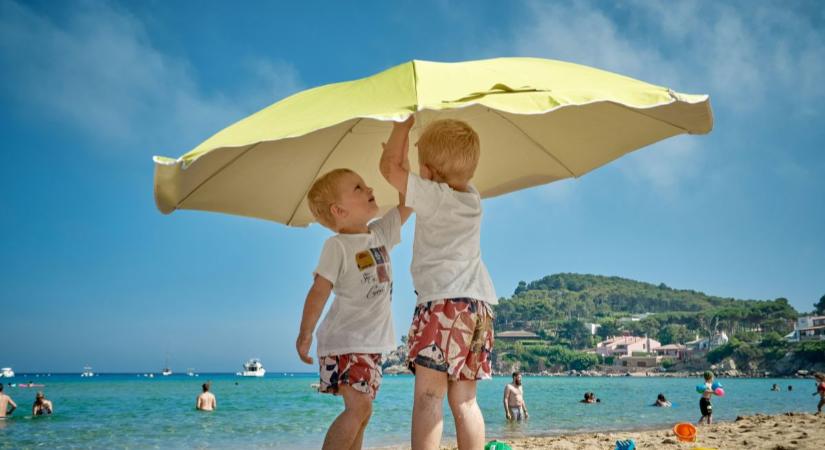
558, 307
545, 304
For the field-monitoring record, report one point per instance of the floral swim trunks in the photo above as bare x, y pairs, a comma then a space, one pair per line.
361, 371
454, 336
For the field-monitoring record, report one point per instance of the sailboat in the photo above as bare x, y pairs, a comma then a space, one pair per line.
166, 370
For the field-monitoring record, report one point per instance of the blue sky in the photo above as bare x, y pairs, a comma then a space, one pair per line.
93, 274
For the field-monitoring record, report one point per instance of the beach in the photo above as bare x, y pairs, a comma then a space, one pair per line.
789, 431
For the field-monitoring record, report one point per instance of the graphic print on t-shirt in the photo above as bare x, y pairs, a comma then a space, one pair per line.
364, 260
374, 265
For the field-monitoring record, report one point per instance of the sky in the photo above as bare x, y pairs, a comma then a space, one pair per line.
92, 274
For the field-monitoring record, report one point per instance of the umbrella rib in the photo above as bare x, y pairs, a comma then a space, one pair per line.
215, 174
321, 166
547, 152
685, 130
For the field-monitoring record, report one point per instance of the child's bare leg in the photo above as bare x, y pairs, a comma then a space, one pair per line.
428, 417
469, 422
347, 431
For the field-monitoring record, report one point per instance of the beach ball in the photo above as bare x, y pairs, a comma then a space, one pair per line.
720, 392
716, 385
700, 388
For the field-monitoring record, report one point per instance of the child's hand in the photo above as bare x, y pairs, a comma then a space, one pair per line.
303, 344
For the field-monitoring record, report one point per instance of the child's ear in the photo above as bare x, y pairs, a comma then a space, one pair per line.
337, 211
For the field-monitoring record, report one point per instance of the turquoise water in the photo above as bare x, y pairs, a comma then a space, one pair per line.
283, 411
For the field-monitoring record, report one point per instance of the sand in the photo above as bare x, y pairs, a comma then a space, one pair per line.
797, 431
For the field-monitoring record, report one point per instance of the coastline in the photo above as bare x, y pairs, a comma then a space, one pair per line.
788, 431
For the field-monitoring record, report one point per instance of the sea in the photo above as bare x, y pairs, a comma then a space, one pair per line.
284, 411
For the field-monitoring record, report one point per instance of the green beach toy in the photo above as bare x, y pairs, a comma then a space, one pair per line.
497, 445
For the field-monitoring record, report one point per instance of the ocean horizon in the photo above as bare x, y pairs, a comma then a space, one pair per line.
282, 410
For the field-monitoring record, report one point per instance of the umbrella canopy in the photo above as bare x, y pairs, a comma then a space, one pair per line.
538, 121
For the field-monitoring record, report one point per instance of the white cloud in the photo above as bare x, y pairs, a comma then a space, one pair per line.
98, 71
765, 55
666, 164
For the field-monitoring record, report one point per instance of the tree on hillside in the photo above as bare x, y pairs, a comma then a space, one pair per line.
674, 334
608, 328
576, 333
820, 307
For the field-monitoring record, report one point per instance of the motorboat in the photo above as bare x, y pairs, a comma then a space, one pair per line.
190, 372
252, 368
6, 372
87, 372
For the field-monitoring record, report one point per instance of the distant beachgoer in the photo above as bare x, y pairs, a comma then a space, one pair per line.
790, 388
5, 403
42, 406
514, 406
704, 403
820, 390
775, 387
662, 402
206, 401
589, 397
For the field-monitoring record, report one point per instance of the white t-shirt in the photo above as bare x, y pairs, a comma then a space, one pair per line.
447, 246
358, 265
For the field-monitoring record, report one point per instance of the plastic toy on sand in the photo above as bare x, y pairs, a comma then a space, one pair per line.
685, 431
628, 444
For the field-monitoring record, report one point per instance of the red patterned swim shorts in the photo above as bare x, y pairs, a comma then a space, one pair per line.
454, 336
361, 371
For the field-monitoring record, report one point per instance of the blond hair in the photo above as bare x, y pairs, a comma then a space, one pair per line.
323, 194
451, 148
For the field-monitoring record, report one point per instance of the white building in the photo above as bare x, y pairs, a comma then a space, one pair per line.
707, 344
808, 328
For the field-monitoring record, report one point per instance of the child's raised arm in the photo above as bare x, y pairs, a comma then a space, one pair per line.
313, 307
395, 165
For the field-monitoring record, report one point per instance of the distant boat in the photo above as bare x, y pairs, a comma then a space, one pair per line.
166, 370
252, 368
87, 372
190, 371
6, 372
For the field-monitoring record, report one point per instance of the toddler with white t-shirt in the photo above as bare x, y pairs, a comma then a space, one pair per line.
355, 264
451, 338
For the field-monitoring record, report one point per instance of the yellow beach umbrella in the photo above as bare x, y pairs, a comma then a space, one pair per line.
538, 121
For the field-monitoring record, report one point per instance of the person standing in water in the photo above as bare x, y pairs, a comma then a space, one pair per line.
206, 401
5, 402
41, 406
514, 406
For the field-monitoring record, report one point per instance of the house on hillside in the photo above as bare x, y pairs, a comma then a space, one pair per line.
672, 351
707, 344
626, 346
808, 328
516, 335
